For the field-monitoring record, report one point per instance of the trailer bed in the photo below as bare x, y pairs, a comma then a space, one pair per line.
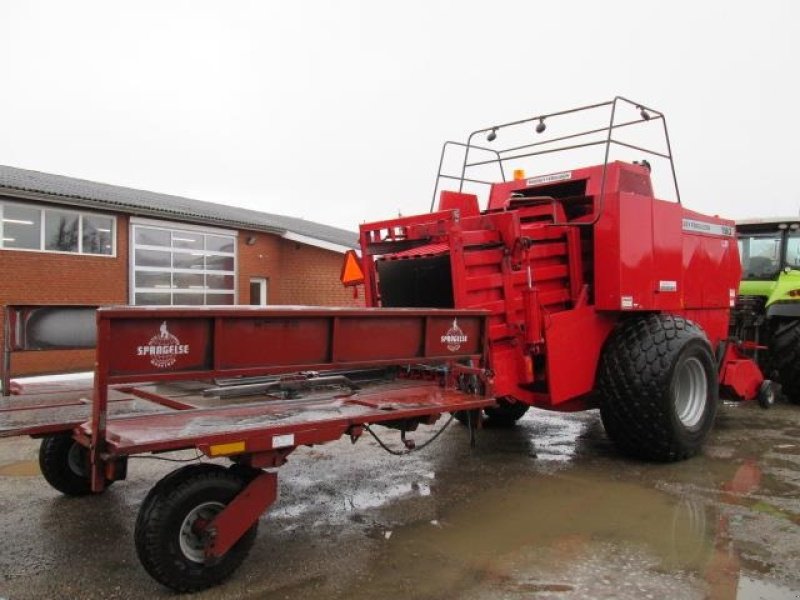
307, 420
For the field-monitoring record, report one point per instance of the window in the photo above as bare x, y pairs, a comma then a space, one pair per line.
179, 265
27, 227
793, 250
760, 255
61, 231
22, 227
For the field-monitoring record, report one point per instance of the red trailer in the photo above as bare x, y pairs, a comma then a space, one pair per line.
569, 290
247, 384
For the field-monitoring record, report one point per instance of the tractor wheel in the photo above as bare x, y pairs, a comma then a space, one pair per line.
505, 414
785, 354
658, 387
168, 543
65, 465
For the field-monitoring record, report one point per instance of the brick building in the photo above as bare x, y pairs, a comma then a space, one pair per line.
71, 241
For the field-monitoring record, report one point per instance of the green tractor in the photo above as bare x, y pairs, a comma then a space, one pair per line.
767, 309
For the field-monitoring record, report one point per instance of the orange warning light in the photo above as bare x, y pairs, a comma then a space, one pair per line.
351, 269
519, 174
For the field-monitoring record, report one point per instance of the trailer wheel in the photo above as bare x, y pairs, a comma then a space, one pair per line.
506, 413
658, 387
785, 355
65, 465
167, 542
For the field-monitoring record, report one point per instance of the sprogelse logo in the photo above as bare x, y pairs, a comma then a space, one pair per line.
454, 337
163, 348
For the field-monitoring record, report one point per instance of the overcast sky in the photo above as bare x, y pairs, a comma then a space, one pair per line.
336, 111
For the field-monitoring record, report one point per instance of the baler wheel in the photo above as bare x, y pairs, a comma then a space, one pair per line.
658, 387
65, 465
785, 354
168, 542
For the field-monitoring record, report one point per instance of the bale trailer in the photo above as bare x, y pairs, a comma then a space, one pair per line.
569, 290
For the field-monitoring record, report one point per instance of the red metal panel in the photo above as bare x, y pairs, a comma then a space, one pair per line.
711, 264
574, 340
272, 340
446, 336
668, 282
143, 345
361, 340
253, 342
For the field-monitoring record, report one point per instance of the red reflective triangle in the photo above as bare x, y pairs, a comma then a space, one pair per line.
351, 269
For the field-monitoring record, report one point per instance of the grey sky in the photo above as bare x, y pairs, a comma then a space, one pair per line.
336, 111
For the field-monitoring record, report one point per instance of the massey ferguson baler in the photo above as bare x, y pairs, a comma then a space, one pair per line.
567, 291
599, 294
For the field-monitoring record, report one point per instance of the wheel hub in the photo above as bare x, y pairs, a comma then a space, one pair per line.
691, 392
190, 536
76, 460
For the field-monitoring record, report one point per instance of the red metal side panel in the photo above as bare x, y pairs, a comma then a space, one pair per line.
139, 345
668, 281
172, 343
279, 341
624, 254
574, 341
710, 261
606, 256
636, 252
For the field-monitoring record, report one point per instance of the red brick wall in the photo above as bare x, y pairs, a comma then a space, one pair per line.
47, 278
261, 259
310, 275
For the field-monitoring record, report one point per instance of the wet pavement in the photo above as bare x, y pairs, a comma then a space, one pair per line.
545, 510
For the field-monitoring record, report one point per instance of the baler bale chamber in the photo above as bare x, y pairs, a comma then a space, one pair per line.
599, 293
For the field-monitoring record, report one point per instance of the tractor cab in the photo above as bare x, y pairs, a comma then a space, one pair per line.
769, 247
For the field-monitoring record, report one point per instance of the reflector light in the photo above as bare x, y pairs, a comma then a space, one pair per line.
519, 174
794, 293
225, 449
351, 269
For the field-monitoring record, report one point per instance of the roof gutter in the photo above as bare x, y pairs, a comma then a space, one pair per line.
310, 241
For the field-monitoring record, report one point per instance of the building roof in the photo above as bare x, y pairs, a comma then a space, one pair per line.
90, 194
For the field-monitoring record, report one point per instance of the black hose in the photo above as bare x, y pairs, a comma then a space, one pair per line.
408, 450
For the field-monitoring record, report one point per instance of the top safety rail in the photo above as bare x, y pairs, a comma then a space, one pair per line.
503, 156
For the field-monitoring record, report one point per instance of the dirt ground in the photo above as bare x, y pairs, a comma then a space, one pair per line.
545, 510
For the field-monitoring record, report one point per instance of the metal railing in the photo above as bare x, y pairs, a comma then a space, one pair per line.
532, 149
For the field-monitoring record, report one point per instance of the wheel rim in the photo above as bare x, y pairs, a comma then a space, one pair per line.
691, 392
191, 541
76, 460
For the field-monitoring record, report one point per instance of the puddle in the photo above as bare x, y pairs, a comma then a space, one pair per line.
22, 468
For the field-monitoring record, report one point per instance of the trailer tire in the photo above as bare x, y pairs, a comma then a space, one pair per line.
658, 387
506, 413
167, 547
65, 465
785, 355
